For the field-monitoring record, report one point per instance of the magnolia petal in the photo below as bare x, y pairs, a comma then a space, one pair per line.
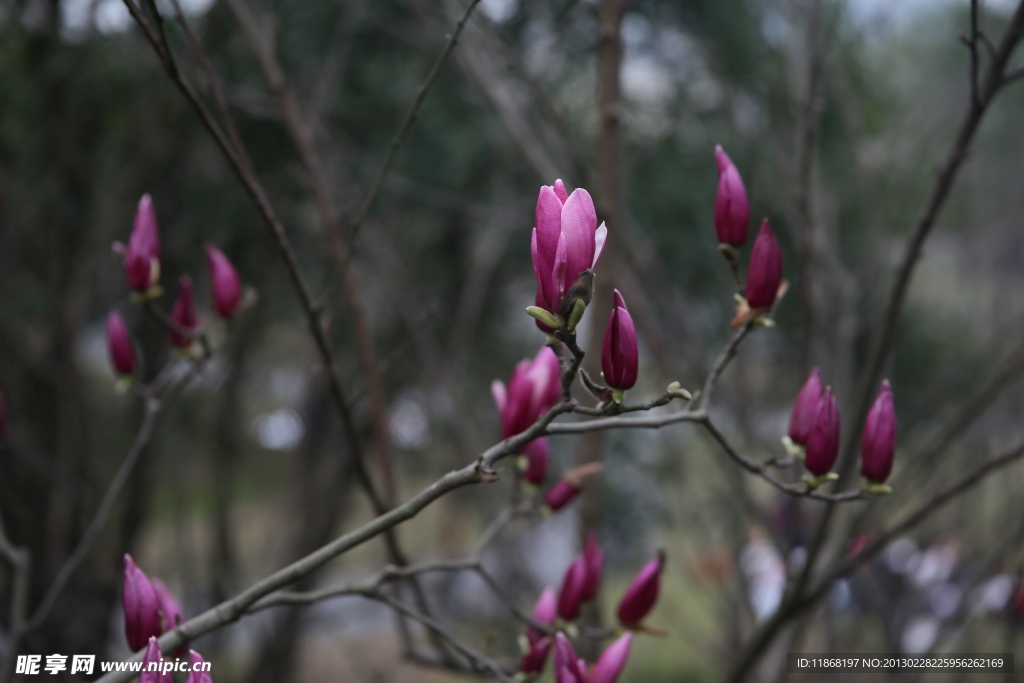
579, 225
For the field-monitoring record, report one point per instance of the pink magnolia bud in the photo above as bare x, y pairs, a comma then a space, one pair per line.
593, 557
805, 409
533, 661
570, 597
544, 612
152, 665
171, 613
569, 668
141, 606
639, 598
764, 274
561, 494
823, 444
537, 453
119, 345
142, 256
565, 242
878, 443
227, 288
183, 314
196, 663
534, 387
612, 660
619, 356
732, 212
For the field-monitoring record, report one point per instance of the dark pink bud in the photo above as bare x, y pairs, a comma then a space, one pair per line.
593, 557
152, 665
569, 668
533, 660
141, 607
142, 255
198, 669
534, 387
566, 241
171, 613
571, 594
184, 312
561, 494
119, 345
732, 212
639, 598
544, 612
612, 660
537, 453
878, 443
805, 409
764, 274
227, 288
619, 356
823, 444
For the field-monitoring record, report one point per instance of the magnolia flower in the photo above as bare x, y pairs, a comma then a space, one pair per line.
732, 211
570, 596
561, 494
566, 243
119, 345
764, 274
537, 454
141, 606
153, 665
183, 314
197, 672
619, 357
878, 443
569, 668
823, 444
141, 258
224, 282
533, 389
805, 409
639, 598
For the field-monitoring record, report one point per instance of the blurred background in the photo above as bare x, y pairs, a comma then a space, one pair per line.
836, 112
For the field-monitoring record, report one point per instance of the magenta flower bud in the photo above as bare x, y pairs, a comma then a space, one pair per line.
569, 668
570, 597
593, 557
227, 288
535, 386
119, 345
544, 612
639, 598
732, 211
805, 409
183, 314
142, 256
537, 453
152, 665
878, 443
196, 663
534, 659
565, 242
619, 356
171, 613
823, 444
561, 494
764, 274
612, 660
141, 606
